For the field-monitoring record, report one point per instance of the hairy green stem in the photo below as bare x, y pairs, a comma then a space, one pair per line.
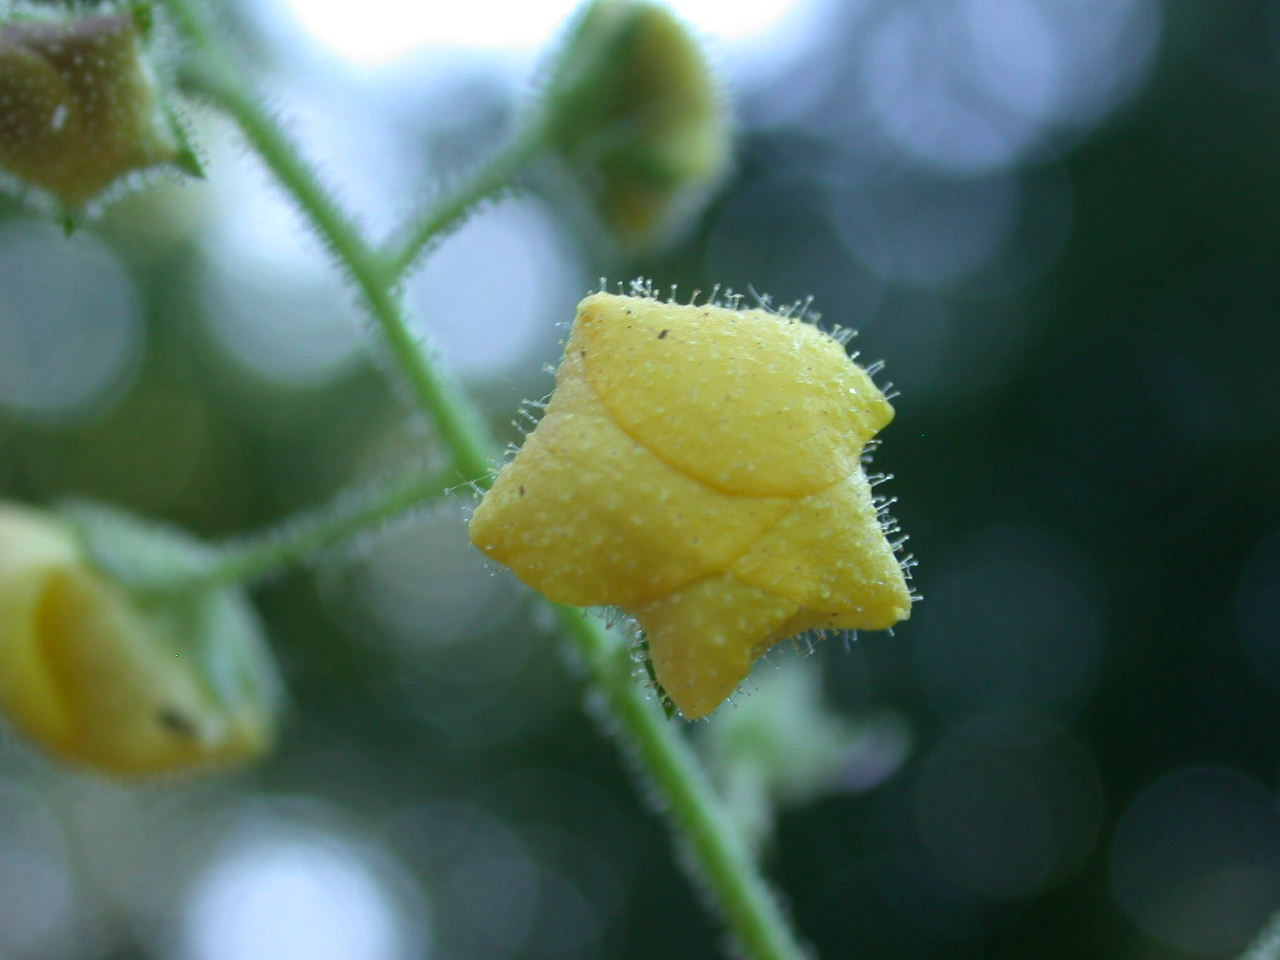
699, 820
460, 428
719, 853
449, 209
302, 536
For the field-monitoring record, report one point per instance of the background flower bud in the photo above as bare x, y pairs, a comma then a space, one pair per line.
639, 119
79, 107
98, 675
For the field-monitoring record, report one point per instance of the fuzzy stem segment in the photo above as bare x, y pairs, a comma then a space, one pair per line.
212, 75
448, 211
719, 856
261, 554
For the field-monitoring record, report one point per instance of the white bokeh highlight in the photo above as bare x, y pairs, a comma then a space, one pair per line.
380, 31
973, 86
71, 321
275, 892
493, 289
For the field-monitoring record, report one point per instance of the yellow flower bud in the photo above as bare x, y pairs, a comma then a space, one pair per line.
100, 677
639, 118
79, 108
700, 467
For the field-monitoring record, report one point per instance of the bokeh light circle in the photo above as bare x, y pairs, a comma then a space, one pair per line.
1195, 860
978, 85
71, 323
1012, 623
494, 289
288, 883
37, 889
917, 228
1008, 806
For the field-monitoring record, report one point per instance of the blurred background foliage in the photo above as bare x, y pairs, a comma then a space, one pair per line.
1056, 219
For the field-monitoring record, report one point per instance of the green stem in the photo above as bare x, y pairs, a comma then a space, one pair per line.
457, 422
448, 210
254, 556
750, 908
752, 913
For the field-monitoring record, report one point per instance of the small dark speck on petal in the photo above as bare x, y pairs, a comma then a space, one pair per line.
663, 334
176, 722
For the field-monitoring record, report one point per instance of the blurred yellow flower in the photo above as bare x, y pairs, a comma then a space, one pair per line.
700, 467
81, 111
99, 677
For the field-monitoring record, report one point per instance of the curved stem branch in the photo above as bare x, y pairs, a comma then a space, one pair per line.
448, 210
719, 854
257, 555
434, 392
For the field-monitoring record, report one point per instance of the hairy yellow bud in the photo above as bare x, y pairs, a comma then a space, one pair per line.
100, 677
79, 107
700, 467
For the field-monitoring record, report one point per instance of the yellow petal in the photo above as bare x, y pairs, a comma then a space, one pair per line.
829, 555
746, 402
30, 552
615, 524
704, 638
132, 709
97, 678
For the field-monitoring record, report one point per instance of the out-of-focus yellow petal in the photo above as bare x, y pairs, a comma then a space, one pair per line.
99, 678
81, 107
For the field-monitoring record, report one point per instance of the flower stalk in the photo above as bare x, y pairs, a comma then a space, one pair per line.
252, 557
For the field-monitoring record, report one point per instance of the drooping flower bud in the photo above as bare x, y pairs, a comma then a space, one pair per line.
80, 110
102, 676
700, 467
639, 119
